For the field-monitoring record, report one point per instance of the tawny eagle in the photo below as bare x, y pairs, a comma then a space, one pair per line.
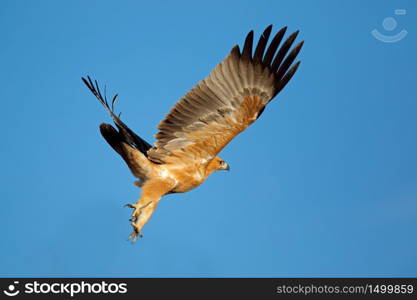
201, 123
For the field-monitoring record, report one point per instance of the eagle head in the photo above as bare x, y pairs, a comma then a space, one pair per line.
221, 164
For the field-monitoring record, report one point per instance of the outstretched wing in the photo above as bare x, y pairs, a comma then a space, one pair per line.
225, 103
125, 134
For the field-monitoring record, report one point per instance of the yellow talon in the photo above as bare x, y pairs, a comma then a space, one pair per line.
135, 233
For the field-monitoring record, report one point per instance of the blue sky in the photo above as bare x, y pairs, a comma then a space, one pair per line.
324, 184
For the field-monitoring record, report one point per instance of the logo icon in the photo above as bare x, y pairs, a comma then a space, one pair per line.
11, 289
389, 24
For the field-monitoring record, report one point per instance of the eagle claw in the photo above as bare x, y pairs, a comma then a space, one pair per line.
135, 219
136, 211
135, 233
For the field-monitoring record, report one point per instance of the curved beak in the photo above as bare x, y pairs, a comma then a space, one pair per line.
227, 167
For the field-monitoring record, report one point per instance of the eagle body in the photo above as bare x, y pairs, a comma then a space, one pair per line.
202, 123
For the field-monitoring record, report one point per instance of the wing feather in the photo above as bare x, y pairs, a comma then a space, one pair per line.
127, 135
227, 101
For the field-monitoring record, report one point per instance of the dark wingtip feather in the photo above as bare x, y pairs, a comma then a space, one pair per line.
260, 48
104, 127
247, 48
283, 51
99, 92
283, 82
267, 30
87, 83
113, 101
274, 46
125, 132
235, 51
91, 82
289, 60
84, 80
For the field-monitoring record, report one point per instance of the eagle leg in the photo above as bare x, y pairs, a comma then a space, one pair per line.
137, 210
152, 191
140, 216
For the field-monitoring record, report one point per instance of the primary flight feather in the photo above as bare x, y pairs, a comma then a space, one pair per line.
201, 123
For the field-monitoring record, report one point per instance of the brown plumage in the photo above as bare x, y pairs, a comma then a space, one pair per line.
203, 122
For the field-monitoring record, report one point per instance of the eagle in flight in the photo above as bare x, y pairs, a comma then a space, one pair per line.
202, 123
